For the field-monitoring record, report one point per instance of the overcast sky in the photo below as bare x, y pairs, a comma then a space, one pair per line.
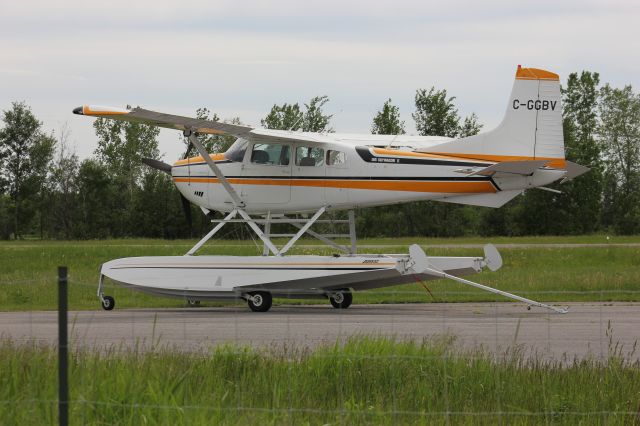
238, 58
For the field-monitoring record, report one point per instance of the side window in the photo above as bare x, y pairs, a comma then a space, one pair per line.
271, 154
309, 156
335, 158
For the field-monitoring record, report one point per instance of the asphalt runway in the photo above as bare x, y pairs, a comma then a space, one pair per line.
588, 330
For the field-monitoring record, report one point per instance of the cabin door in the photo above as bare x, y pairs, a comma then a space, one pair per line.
266, 174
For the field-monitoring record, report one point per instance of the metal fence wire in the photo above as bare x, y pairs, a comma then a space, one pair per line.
436, 362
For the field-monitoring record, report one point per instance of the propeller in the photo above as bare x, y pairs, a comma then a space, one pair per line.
158, 165
166, 168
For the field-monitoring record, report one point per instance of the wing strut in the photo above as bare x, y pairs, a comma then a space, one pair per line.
237, 202
239, 209
423, 266
212, 232
302, 230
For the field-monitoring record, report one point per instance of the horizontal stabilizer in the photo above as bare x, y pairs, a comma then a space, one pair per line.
524, 168
573, 171
495, 200
157, 164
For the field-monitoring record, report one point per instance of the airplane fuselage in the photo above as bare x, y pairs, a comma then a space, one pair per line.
291, 176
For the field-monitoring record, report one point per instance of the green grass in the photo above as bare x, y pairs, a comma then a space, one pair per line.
188, 243
366, 381
28, 271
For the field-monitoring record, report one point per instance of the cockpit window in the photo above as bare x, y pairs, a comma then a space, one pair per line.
237, 150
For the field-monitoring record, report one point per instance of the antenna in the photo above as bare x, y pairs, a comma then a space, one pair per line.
296, 123
392, 141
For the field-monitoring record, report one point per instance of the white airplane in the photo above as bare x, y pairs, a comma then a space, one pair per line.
268, 175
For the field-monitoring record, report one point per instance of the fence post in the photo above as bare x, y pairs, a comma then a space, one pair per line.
63, 376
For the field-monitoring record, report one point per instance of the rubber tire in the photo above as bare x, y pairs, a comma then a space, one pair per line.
346, 301
266, 301
193, 303
108, 303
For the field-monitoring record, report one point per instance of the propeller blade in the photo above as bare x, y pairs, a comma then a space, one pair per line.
157, 164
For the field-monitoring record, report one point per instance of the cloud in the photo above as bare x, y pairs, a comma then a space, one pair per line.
238, 57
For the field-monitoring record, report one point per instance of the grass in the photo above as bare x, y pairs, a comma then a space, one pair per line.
612, 273
427, 241
365, 381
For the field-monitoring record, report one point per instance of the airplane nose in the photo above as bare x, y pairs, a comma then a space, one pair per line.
78, 111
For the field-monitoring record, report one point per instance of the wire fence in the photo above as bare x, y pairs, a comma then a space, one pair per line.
487, 361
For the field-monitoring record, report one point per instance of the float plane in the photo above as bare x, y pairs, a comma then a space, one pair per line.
276, 176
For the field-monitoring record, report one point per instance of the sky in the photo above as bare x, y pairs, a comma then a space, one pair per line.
238, 58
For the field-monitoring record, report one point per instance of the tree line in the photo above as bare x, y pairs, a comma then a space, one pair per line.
46, 191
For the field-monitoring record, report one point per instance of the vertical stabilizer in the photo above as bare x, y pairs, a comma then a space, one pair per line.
531, 128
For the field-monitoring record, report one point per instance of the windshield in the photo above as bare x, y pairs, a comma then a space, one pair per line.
237, 150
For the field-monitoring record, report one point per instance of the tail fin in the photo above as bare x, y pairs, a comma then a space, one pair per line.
531, 128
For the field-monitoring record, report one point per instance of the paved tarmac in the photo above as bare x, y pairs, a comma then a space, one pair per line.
588, 330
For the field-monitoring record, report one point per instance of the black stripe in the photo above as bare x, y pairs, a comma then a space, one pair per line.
365, 153
493, 182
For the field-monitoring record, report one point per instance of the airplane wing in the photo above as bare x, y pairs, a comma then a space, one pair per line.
177, 122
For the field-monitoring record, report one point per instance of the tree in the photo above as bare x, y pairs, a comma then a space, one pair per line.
581, 200
63, 184
158, 212
470, 126
284, 117
387, 121
99, 201
314, 118
436, 115
26, 152
291, 117
619, 133
5, 216
121, 147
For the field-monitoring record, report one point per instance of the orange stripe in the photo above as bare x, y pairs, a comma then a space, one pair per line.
408, 186
536, 74
558, 163
199, 159
87, 111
